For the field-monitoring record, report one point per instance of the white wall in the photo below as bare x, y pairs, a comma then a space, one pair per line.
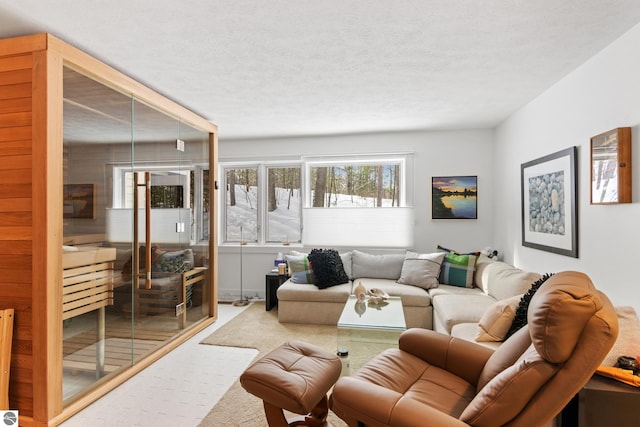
435, 154
602, 94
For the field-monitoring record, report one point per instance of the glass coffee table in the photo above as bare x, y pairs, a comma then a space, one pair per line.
366, 329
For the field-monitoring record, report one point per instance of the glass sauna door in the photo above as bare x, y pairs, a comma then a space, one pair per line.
136, 235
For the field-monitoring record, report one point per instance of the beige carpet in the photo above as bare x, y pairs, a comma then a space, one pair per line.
257, 328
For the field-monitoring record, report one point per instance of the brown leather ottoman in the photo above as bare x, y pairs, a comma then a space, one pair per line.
295, 376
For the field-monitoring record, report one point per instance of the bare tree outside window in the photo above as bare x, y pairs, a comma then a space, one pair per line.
283, 204
241, 219
374, 185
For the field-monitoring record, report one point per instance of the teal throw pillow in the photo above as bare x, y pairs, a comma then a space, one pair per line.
458, 269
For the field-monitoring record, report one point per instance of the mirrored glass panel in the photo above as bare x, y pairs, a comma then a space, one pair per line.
136, 231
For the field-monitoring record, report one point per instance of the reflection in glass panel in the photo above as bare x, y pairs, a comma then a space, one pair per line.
131, 313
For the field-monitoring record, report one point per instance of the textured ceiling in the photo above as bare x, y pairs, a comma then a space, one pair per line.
270, 68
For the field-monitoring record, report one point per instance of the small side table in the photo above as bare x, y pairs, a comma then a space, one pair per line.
603, 402
273, 280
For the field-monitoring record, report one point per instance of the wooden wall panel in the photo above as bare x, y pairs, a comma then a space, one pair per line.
16, 221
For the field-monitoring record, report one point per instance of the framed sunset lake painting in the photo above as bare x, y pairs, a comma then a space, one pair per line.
454, 197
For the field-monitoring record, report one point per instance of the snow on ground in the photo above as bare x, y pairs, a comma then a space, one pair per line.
284, 223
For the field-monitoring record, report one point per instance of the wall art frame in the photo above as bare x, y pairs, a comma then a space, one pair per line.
454, 197
611, 167
549, 195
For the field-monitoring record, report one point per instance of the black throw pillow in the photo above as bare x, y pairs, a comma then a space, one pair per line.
521, 312
327, 268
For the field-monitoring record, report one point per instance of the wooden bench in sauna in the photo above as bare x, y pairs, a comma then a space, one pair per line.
87, 285
169, 293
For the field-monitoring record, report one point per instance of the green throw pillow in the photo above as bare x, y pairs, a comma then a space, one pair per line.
458, 269
297, 263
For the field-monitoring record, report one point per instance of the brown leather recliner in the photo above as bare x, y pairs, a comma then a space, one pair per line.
433, 379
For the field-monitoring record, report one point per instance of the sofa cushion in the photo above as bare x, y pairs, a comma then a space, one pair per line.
504, 280
299, 269
387, 266
481, 276
327, 268
468, 331
173, 262
455, 308
497, 319
297, 263
302, 277
456, 290
289, 291
347, 262
457, 268
421, 269
411, 296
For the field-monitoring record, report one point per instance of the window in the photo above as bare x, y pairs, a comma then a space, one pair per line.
362, 182
283, 204
362, 186
264, 200
241, 204
367, 197
259, 213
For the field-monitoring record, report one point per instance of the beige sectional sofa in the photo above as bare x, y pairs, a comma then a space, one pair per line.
458, 311
306, 303
449, 309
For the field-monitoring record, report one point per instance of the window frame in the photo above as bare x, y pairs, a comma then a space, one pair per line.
359, 160
265, 198
223, 168
405, 198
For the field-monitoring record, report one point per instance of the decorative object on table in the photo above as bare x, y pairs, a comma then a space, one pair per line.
611, 167
242, 301
549, 203
279, 260
360, 292
490, 252
360, 307
629, 363
620, 374
377, 296
282, 269
454, 197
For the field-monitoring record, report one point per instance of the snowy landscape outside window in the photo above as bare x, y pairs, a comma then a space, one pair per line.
241, 206
357, 201
267, 202
283, 204
355, 185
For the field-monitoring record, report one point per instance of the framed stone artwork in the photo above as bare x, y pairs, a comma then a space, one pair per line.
549, 203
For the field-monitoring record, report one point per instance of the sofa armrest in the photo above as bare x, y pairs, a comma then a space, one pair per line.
356, 400
461, 357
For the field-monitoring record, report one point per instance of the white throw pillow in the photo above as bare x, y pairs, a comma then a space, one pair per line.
421, 270
384, 266
497, 319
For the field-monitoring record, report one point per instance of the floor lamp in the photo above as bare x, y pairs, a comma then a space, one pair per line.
242, 301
